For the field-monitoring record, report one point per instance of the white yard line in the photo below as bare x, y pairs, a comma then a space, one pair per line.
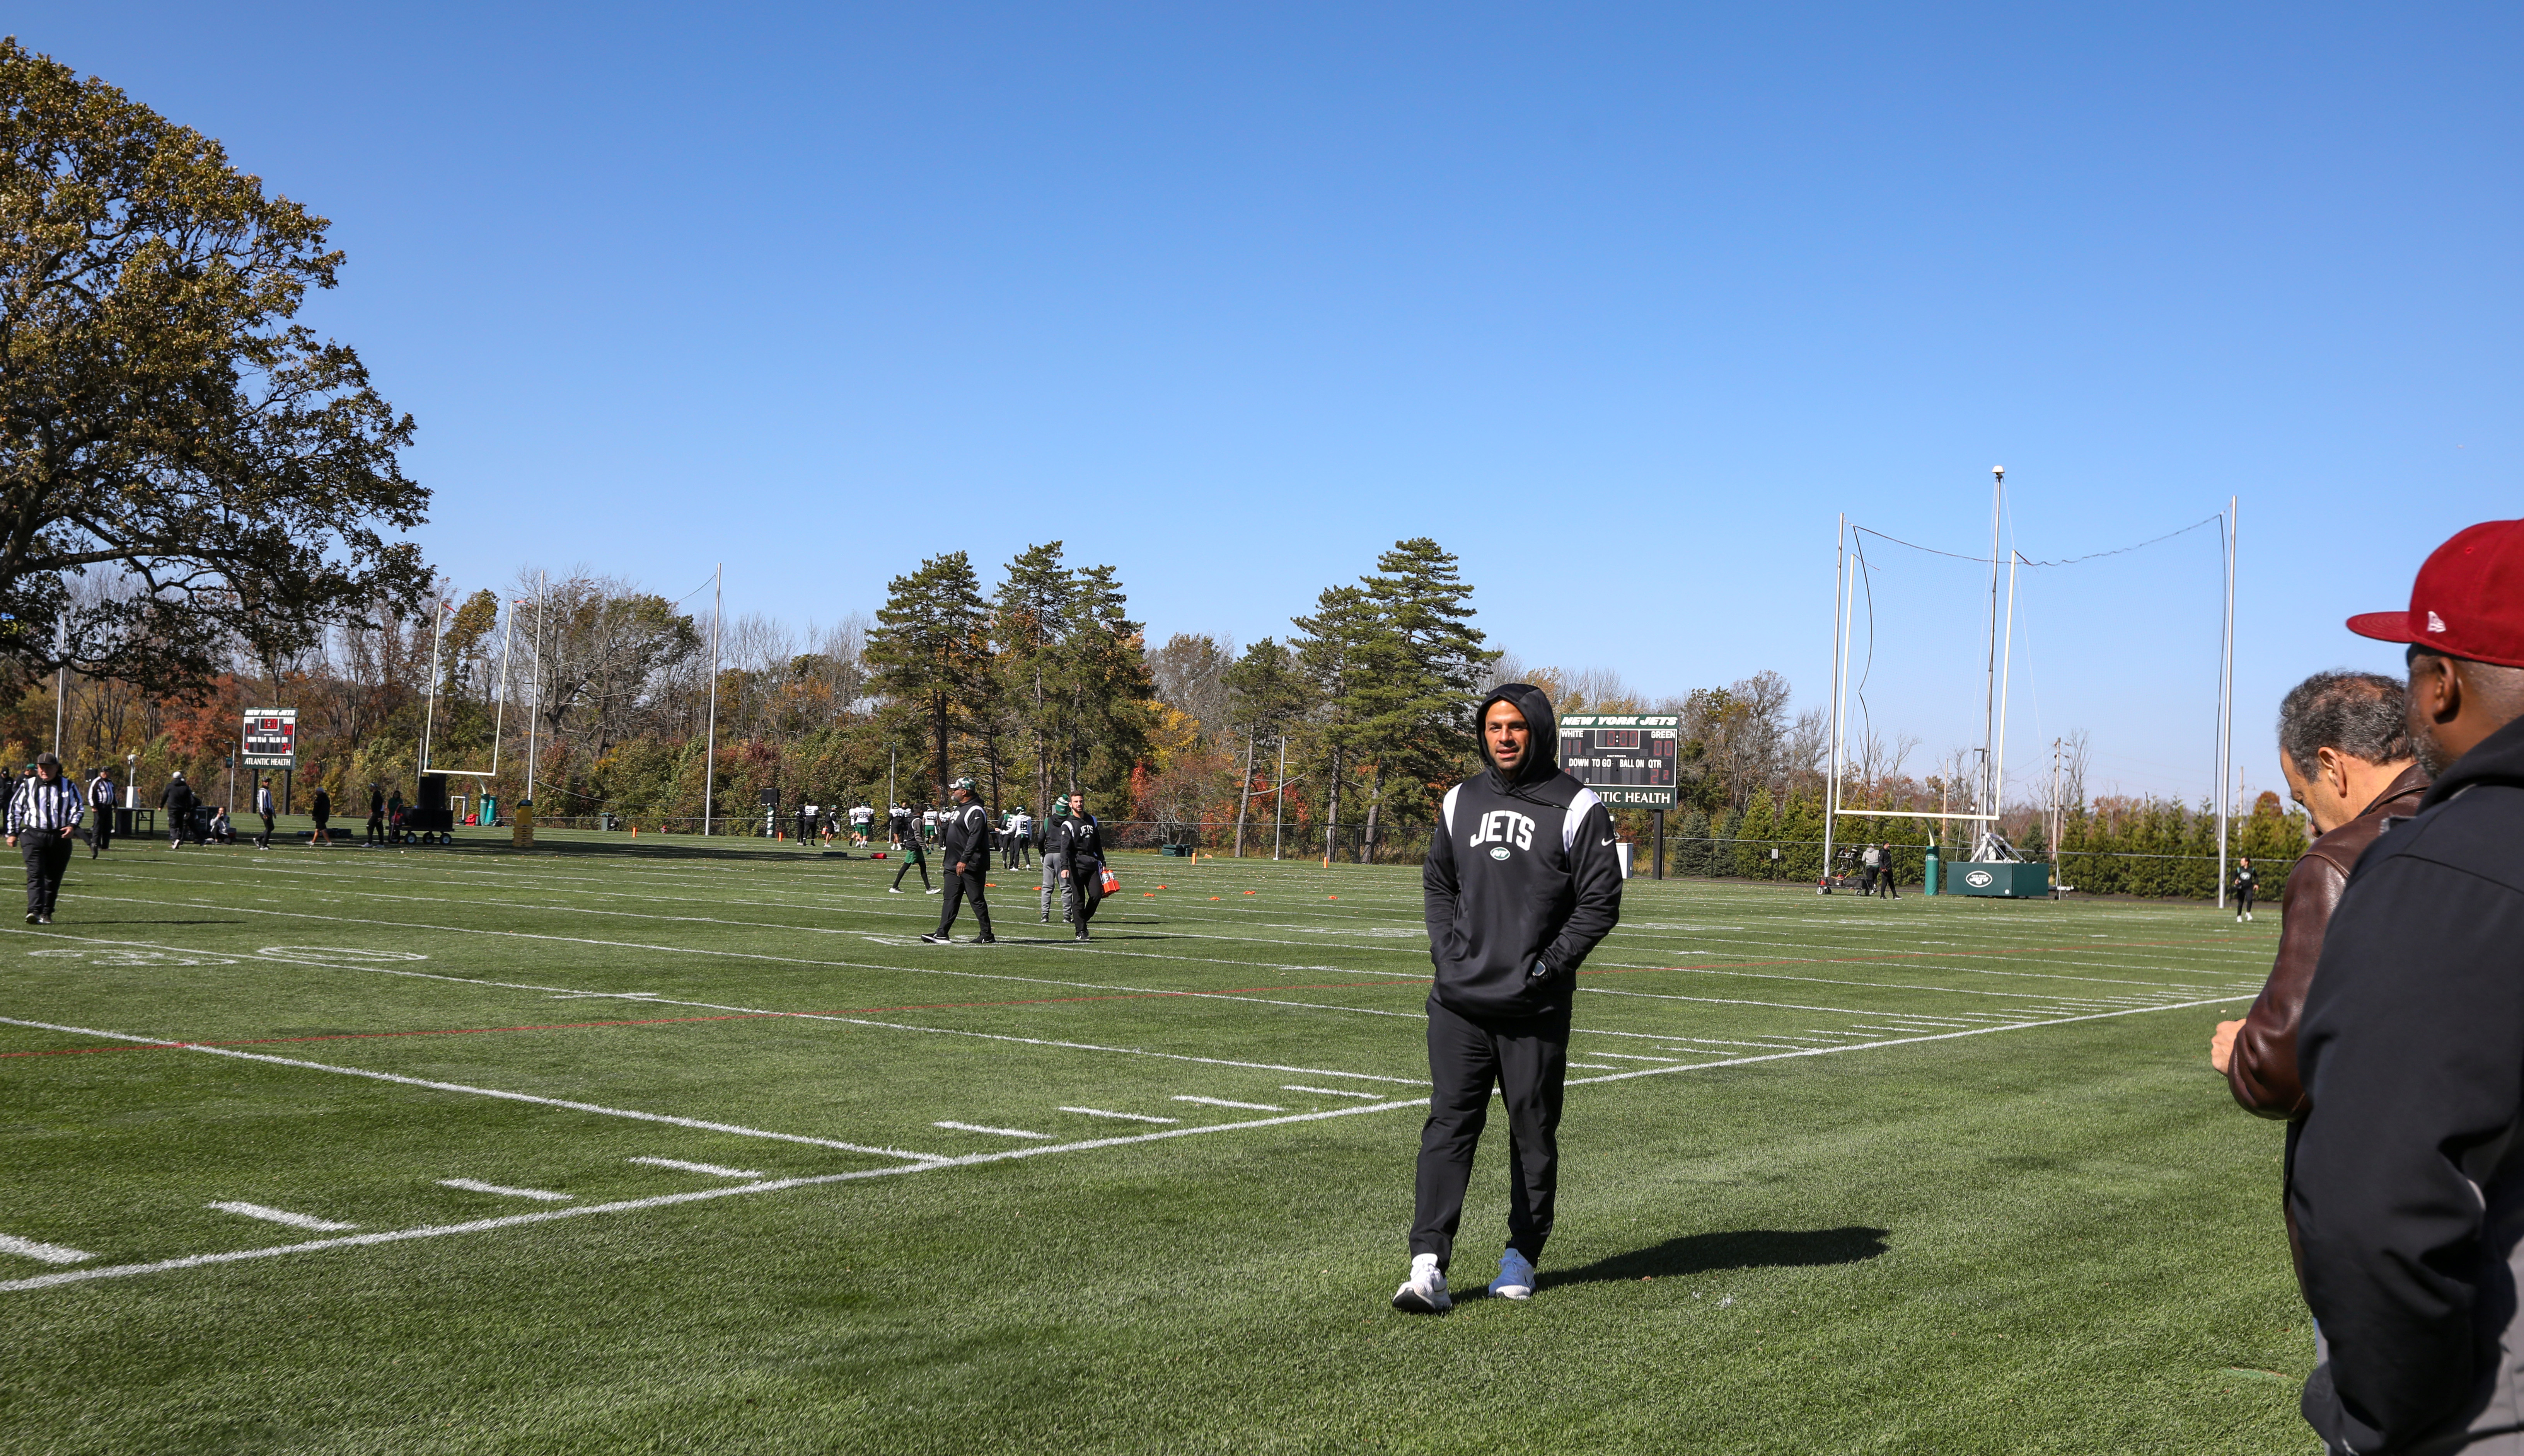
50, 1253
1224, 1102
307, 1221
967, 1127
1143, 1117
477, 1092
663, 1201
1327, 1091
477, 1185
480, 1226
713, 1169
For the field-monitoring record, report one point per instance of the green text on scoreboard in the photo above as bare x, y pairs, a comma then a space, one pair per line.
1627, 759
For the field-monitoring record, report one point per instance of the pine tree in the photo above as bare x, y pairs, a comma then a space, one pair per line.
1030, 622
1266, 697
1337, 650
1415, 707
1110, 697
930, 648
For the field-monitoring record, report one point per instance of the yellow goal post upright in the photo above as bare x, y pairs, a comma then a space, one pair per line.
439, 614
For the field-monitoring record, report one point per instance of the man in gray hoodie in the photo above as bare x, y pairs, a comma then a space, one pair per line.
1522, 881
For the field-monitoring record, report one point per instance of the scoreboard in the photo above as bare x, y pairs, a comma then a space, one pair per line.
272, 738
1627, 759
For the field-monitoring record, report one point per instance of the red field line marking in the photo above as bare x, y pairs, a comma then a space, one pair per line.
572, 1026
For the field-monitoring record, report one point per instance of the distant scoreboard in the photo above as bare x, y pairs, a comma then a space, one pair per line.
1626, 759
272, 738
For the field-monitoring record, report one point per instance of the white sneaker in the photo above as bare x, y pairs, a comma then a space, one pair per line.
1515, 1278
1425, 1292
935, 890
893, 890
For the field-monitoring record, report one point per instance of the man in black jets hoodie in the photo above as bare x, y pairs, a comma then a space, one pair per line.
2407, 1184
1522, 881
966, 828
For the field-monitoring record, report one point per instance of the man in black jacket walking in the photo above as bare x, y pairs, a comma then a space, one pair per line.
178, 804
966, 831
1522, 882
1077, 852
2407, 1181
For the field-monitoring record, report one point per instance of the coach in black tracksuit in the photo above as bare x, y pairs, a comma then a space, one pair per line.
966, 831
1522, 881
1076, 849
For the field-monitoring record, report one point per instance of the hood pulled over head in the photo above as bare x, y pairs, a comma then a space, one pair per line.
1543, 756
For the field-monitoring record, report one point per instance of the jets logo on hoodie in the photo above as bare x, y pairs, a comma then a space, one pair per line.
1502, 828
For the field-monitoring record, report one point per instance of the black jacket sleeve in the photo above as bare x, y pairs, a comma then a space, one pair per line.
1597, 868
2412, 1050
1439, 888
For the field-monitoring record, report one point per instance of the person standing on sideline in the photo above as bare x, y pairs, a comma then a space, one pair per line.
2245, 883
1886, 880
376, 815
177, 801
907, 840
2346, 754
2408, 1176
42, 815
862, 824
101, 795
1052, 884
262, 808
1522, 881
1079, 844
1021, 841
320, 809
1869, 861
967, 831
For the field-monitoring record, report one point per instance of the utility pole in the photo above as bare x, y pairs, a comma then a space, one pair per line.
710, 753
1279, 795
1245, 804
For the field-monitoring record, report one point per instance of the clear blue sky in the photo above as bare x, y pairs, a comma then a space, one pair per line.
1621, 303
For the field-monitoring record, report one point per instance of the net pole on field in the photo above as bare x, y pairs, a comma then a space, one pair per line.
710, 749
1839, 640
2226, 707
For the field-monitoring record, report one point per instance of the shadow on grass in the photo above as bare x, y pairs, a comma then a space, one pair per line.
1741, 1248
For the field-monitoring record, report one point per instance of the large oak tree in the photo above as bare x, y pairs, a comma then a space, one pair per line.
163, 422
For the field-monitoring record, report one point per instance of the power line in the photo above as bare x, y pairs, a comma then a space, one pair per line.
2211, 520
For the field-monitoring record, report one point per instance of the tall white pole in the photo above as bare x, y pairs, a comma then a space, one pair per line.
1839, 614
1279, 795
535, 711
60, 701
709, 753
1989, 697
2006, 660
2226, 708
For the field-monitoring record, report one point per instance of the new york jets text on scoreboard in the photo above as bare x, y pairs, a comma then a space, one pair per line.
1626, 759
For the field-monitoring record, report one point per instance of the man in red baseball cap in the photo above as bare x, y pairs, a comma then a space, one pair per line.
2408, 1171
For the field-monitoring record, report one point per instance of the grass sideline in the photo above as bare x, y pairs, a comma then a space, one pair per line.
1838, 1175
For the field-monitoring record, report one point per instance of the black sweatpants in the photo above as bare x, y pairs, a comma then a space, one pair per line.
100, 831
2243, 899
1528, 1061
969, 883
47, 852
1086, 883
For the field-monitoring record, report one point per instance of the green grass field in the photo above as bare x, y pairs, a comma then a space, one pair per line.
761, 1173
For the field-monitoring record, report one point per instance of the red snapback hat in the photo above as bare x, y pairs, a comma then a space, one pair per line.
2468, 600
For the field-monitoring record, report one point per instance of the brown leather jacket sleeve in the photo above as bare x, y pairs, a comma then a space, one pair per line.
2262, 1069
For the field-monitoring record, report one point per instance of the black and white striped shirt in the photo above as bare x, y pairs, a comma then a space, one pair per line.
42, 804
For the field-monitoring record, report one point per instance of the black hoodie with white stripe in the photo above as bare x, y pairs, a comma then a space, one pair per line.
1521, 873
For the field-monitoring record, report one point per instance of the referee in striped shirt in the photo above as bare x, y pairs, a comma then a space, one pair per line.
42, 815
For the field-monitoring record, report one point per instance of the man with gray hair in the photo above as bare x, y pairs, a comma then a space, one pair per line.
2345, 751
